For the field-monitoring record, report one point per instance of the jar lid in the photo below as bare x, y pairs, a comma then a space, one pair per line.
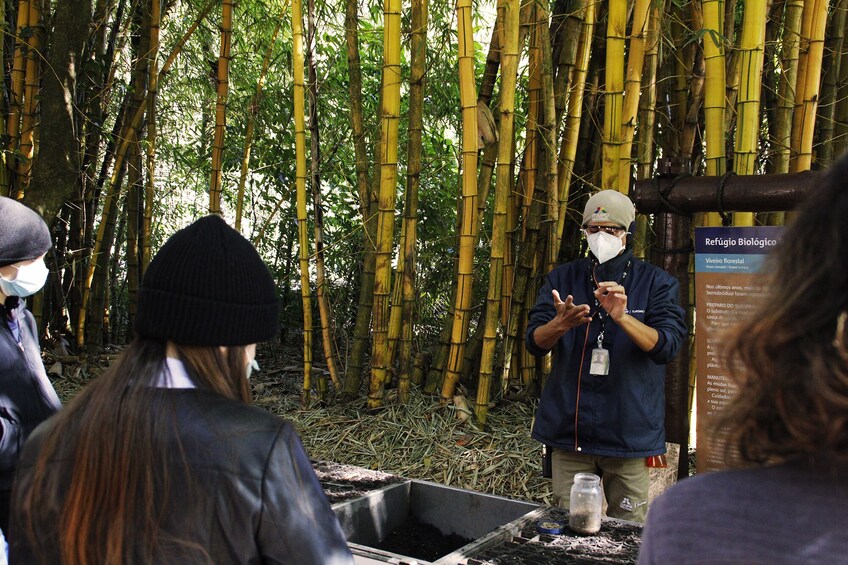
550, 527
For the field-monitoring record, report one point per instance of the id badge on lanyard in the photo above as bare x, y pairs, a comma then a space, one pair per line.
600, 362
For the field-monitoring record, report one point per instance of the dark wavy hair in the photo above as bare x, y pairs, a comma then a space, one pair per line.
102, 482
788, 360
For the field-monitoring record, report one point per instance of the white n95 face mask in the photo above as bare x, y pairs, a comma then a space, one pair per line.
252, 366
30, 279
604, 245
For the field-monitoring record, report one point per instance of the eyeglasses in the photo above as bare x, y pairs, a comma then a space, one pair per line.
612, 230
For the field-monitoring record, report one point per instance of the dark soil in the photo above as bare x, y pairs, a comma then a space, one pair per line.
346, 482
617, 543
421, 541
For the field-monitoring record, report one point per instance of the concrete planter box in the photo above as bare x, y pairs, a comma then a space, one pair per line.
466, 517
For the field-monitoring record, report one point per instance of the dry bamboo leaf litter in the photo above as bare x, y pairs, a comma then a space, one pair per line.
422, 440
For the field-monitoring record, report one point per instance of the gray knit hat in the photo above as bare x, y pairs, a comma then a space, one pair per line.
208, 286
23, 233
609, 206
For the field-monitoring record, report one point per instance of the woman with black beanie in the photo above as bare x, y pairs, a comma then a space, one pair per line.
27, 397
162, 459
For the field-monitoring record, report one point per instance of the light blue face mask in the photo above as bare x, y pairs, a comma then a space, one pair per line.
252, 366
30, 279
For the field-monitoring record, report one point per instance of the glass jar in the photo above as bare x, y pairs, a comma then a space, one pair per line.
584, 510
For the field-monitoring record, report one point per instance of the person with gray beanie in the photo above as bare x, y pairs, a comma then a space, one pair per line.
612, 322
27, 397
162, 459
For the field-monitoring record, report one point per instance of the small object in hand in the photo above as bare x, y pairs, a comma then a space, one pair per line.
552, 527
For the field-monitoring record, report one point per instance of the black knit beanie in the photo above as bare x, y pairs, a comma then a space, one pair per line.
23, 233
207, 286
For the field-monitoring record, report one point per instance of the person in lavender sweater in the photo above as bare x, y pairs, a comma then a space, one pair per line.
785, 498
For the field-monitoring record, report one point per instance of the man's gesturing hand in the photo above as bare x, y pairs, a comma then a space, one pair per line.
569, 314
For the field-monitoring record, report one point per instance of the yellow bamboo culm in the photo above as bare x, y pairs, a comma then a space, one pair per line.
503, 183
18, 76
548, 131
813, 28
417, 73
787, 84
467, 236
714, 87
714, 91
31, 94
300, 188
221, 107
150, 161
645, 150
748, 104
252, 112
386, 201
571, 131
614, 95
632, 90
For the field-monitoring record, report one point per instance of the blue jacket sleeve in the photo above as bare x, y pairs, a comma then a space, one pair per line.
665, 315
542, 312
298, 524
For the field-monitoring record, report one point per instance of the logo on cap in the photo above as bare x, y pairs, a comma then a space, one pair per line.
600, 214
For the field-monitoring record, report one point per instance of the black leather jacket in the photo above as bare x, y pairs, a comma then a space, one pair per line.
26, 396
253, 496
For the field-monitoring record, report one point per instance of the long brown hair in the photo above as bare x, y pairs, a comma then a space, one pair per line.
102, 476
792, 395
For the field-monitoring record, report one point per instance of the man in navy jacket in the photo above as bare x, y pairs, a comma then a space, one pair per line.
612, 322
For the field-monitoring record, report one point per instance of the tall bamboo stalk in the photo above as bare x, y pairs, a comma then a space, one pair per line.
548, 131
503, 183
714, 90
32, 87
221, 106
787, 80
714, 87
150, 162
530, 161
648, 99
298, 63
367, 204
252, 113
614, 95
388, 188
809, 81
467, 238
318, 213
571, 132
18, 76
417, 75
748, 121
835, 49
632, 90
840, 132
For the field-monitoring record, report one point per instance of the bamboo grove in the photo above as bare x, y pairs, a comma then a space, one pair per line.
410, 170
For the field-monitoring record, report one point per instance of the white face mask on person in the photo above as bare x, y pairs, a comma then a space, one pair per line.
30, 279
252, 366
604, 245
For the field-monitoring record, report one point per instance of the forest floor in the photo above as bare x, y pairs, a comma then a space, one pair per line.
417, 440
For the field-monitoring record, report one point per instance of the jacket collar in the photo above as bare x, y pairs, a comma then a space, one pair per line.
613, 269
174, 375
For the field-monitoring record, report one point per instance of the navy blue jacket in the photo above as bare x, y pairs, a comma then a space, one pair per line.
621, 414
26, 396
